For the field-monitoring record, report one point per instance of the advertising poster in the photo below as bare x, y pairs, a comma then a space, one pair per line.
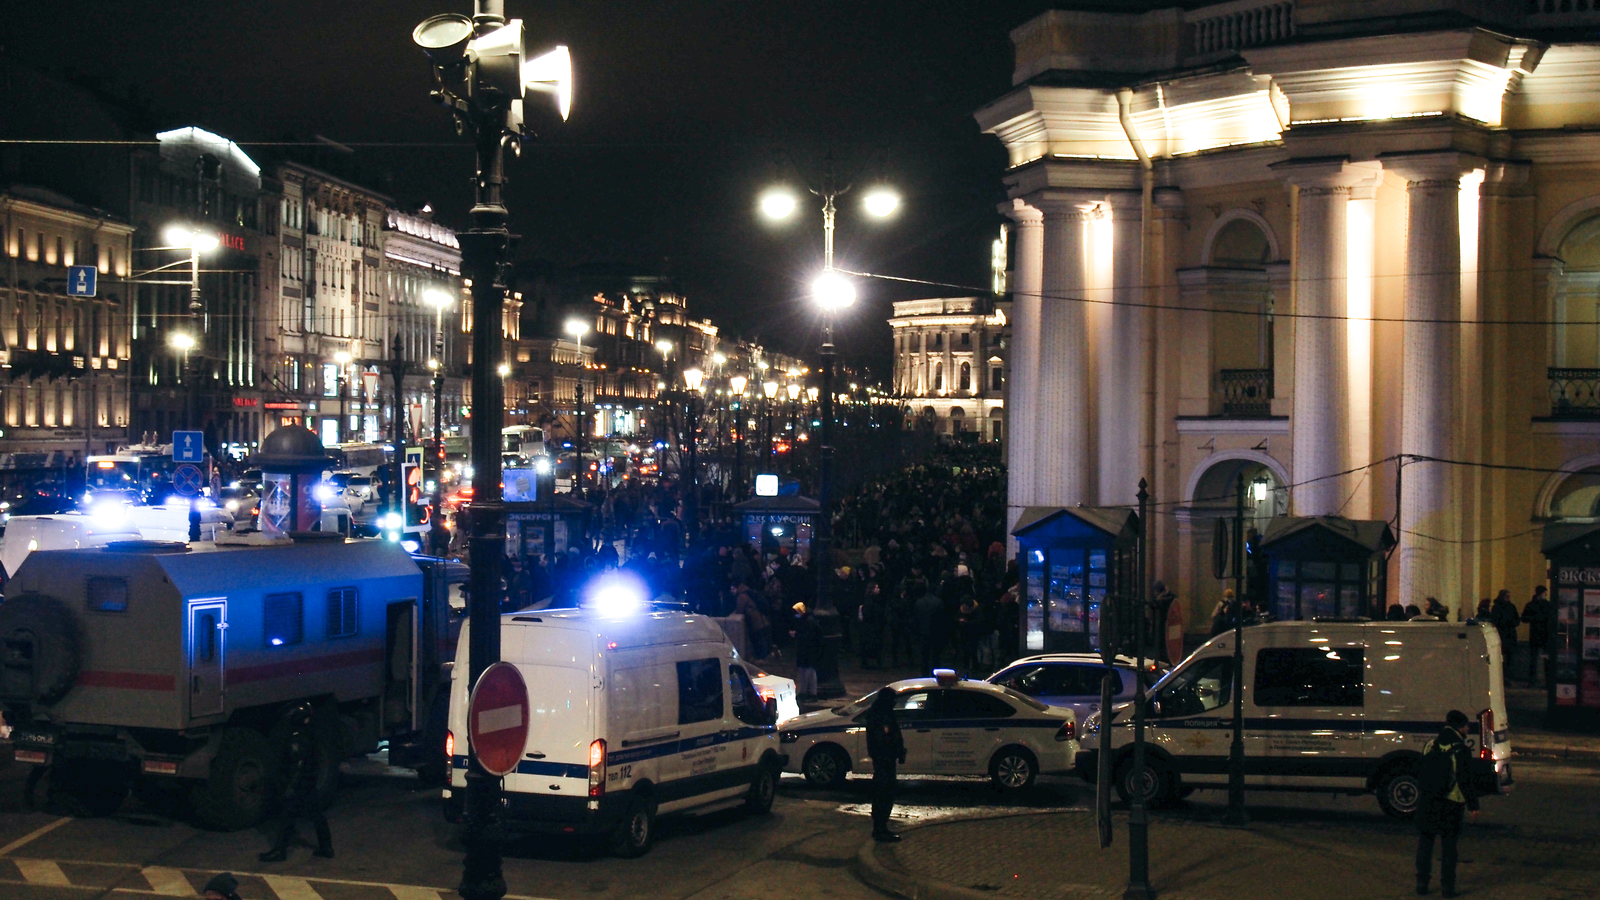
1566, 645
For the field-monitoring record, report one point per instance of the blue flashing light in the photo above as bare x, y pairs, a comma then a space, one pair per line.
615, 594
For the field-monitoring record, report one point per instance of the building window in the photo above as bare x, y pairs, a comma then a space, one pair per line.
966, 377
996, 380
966, 339
938, 376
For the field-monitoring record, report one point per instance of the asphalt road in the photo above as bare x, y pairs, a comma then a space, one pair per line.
392, 843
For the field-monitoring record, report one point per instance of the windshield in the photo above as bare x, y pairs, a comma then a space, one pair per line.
109, 474
859, 706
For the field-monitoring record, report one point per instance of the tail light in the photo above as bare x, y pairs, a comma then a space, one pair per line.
767, 693
1486, 734
1068, 730
597, 768
450, 745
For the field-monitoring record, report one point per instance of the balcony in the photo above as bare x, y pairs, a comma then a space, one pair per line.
1246, 393
1574, 393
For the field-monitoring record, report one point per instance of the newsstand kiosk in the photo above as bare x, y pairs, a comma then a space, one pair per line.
1071, 559
1574, 555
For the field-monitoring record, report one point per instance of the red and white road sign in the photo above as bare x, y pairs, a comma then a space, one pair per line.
497, 718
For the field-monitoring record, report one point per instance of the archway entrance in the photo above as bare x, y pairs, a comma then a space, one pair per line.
1213, 498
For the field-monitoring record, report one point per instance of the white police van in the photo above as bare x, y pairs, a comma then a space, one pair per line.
632, 716
950, 726
1343, 707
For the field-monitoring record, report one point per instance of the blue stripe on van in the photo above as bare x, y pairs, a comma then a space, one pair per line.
1271, 724
634, 754
536, 767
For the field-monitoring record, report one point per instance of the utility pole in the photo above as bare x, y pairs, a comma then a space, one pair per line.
397, 477
1138, 816
1236, 814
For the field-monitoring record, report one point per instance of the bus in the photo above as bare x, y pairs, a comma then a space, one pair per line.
137, 472
361, 459
522, 440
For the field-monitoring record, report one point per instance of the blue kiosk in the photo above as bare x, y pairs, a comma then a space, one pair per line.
1071, 559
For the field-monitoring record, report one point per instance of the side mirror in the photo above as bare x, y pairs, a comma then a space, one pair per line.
1155, 708
771, 706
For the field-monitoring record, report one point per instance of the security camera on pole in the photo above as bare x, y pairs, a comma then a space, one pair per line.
482, 77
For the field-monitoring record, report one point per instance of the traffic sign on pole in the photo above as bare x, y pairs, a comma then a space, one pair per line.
187, 480
81, 281
497, 718
188, 446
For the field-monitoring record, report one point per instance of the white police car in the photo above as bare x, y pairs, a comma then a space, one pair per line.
950, 727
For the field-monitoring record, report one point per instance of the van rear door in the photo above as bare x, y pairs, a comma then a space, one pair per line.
555, 760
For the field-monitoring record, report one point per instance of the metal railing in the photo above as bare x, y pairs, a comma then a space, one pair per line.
1246, 393
1574, 393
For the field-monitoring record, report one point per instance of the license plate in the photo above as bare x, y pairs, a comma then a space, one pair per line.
33, 757
159, 767
21, 736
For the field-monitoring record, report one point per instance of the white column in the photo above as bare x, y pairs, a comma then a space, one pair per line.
1023, 385
1429, 521
1121, 375
1062, 439
1320, 419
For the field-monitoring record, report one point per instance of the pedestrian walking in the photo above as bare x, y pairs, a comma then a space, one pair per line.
302, 759
887, 749
1537, 614
1444, 796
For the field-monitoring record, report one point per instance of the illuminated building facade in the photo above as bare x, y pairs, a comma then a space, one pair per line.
949, 365
1323, 249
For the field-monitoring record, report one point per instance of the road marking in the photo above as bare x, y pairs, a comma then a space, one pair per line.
410, 892
170, 882
41, 871
34, 835
290, 888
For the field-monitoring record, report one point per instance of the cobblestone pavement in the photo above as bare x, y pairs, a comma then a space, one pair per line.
1337, 850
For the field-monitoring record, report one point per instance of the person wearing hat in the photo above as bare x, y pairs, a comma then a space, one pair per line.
1445, 793
807, 651
222, 886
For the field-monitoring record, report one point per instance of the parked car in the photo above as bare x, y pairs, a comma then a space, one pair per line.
950, 726
1073, 679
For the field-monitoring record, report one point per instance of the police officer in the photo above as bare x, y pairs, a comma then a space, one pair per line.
1446, 792
886, 747
302, 761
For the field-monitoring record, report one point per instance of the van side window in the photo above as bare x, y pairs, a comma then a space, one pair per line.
108, 594
699, 691
747, 704
283, 619
342, 612
206, 638
1201, 687
1310, 676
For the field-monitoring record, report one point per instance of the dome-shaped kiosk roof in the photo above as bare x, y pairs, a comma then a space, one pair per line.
291, 449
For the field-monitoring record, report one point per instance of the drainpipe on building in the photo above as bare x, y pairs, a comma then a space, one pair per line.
1125, 115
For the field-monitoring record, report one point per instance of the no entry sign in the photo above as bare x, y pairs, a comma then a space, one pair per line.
497, 718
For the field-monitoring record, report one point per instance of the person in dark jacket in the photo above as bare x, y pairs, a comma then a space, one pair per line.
807, 651
1445, 794
302, 760
887, 749
1538, 614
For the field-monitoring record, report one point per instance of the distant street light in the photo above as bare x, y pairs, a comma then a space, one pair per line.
196, 241
692, 379
181, 341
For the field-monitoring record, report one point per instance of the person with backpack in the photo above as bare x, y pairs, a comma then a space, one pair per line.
1445, 794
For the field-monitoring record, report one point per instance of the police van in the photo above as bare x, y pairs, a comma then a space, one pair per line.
632, 716
1337, 706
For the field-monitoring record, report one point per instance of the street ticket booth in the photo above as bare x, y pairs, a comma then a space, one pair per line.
1326, 567
547, 527
1574, 555
1071, 559
773, 523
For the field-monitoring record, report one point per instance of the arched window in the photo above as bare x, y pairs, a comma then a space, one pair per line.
938, 376
1576, 298
1241, 345
966, 377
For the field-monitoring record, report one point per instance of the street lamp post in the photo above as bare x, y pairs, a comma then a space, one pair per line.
440, 301
793, 390
737, 383
342, 359
196, 242
1236, 814
484, 90
769, 449
692, 379
397, 489
580, 470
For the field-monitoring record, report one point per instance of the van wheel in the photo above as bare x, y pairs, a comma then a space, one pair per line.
1399, 794
826, 766
634, 834
763, 789
239, 790
1013, 769
87, 788
1152, 789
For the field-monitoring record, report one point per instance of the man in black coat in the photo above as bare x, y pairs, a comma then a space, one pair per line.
886, 748
1446, 793
302, 760
1538, 614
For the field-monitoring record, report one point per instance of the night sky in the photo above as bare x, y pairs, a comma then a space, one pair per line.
684, 111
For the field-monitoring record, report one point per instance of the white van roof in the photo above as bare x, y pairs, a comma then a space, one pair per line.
648, 628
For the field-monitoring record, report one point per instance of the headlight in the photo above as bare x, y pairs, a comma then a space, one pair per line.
233, 506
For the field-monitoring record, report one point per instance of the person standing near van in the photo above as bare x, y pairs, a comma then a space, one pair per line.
1503, 615
1444, 798
887, 749
1537, 614
807, 651
301, 758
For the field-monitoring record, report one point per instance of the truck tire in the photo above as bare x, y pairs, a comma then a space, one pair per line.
240, 789
89, 788
1398, 792
636, 831
763, 790
1156, 787
40, 649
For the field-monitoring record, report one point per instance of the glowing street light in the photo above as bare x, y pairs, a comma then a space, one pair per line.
833, 292
778, 203
793, 390
692, 378
881, 202
181, 341
504, 369
738, 383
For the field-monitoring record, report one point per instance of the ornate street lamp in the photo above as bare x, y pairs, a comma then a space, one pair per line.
692, 379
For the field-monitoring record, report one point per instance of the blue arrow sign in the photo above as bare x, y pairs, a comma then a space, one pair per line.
81, 281
188, 446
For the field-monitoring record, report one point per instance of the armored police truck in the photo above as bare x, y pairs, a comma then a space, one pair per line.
158, 665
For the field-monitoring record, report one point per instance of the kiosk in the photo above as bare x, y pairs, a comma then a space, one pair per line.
1574, 679
1325, 567
292, 461
772, 523
547, 527
1071, 559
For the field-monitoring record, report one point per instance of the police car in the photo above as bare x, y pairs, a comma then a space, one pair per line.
1073, 679
950, 727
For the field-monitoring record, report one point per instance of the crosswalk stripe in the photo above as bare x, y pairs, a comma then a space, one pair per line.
168, 881
412, 892
41, 871
290, 888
